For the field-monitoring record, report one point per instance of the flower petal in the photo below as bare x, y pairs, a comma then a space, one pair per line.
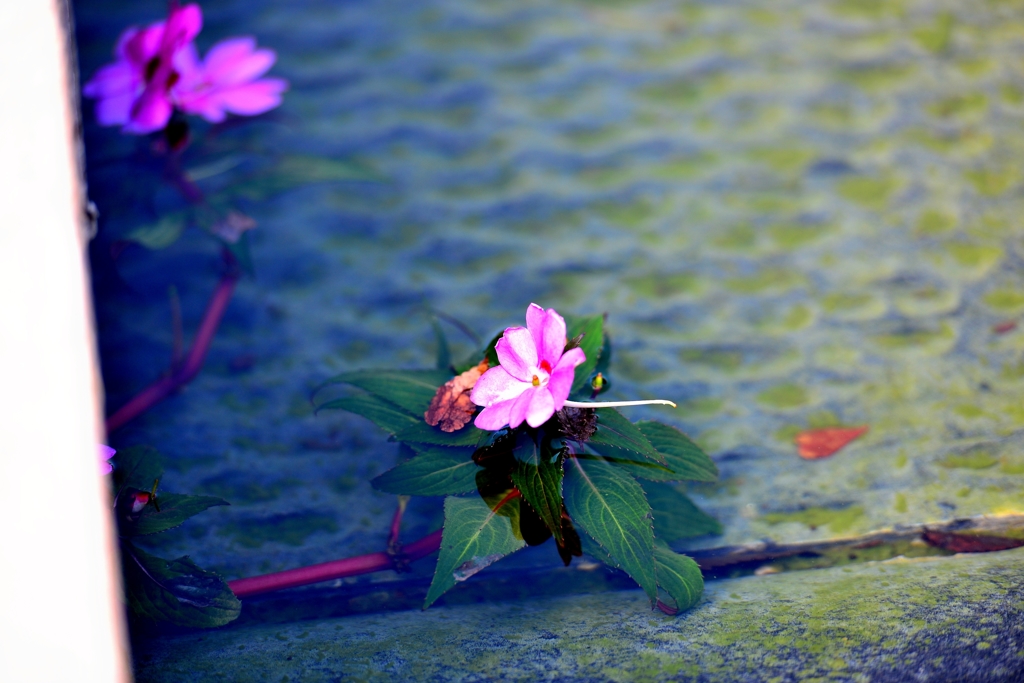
571, 358
111, 80
252, 98
236, 61
560, 385
494, 417
517, 353
548, 330
541, 407
521, 407
151, 112
183, 25
495, 386
115, 110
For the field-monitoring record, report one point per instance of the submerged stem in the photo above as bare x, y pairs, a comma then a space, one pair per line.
618, 404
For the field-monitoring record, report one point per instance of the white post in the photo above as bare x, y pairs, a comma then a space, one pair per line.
60, 614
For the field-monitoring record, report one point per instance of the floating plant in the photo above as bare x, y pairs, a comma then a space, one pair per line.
513, 427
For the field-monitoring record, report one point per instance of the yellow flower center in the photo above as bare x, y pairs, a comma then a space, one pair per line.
536, 381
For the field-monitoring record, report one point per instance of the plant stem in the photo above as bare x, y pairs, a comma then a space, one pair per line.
352, 566
618, 404
162, 388
396, 525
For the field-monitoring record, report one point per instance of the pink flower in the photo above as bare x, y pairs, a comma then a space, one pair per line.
136, 91
158, 70
226, 80
106, 453
535, 376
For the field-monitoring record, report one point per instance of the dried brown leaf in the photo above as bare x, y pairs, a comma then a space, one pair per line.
451, 409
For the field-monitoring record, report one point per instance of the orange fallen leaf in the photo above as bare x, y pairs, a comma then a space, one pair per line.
814, 444
451, 409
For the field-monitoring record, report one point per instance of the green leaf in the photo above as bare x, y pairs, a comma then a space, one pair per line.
411, 390
635, 465
675, 515
296, 171
177, 591
444, 354
538, 476
610, 507
421, 432
175, 508
614, 429
435, 471
592, 329
679, 576
682, 455
382, 413
161, 234
138, 467
474, 537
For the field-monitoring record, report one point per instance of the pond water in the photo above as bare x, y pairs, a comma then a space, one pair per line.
795, 215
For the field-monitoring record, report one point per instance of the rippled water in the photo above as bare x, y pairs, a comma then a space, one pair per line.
794, 214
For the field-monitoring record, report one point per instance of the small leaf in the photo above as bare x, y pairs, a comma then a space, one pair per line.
421, 432
161, 234
382, 413
682, 455
177, 591
540, 481
675, 515
614, 429
679, 576
474, 537
175, 508
610, 507
592, 329
410, 390
444, 354
814, 444
137, 467
435, 471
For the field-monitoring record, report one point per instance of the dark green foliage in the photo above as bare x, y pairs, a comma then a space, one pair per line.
679, 576
396, 401
444, 354
174, 509
138, 467
176, 591
435, 471
675, 515
614, 430
611, 508
410, 390
538, 476
474, 537
579, 470
679, 452
592, 329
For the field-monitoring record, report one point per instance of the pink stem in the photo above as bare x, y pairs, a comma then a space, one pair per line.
396, 524
162, 388
352, 566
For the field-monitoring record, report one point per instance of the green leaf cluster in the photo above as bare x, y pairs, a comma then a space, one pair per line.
591, 479
176, 591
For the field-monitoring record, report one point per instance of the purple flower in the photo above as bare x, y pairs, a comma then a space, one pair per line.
136, 91
106, 453
158, 70
535, 376
226, 81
